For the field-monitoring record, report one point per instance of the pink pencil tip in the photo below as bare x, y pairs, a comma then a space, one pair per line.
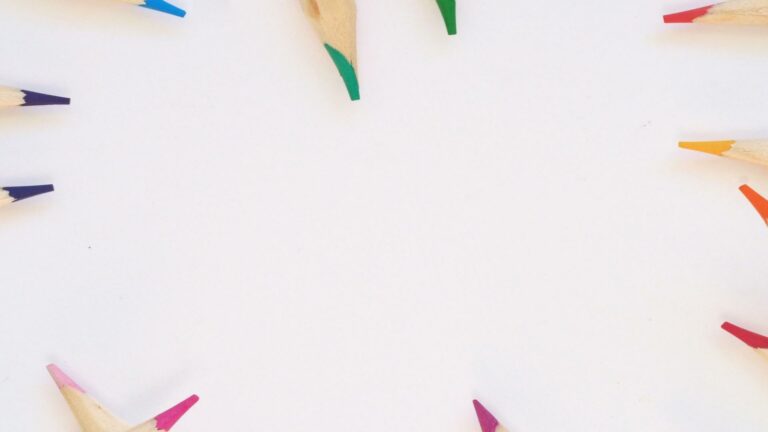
752, 339
166, 420
488, 422
688, 16
61, 379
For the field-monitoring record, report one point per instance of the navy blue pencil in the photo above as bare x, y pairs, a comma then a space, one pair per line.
12, 194
10, 97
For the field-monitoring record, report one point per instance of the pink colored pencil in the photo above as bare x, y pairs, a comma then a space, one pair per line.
95, 418
488, 422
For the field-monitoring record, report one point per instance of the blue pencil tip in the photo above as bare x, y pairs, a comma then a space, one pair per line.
33, 99
164, 6
23, 192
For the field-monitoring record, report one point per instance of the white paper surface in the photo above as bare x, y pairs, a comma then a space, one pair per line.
503, 216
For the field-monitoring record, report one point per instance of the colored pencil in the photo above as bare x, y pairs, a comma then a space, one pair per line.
159, 5
12, 194
336, 24
448, 10
488, 422
747, 12
95, 418
754, 340
11, 97
758, 202
755, 151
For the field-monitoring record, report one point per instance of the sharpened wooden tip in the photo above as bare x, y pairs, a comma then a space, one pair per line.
713, 147
752, 339
758, 202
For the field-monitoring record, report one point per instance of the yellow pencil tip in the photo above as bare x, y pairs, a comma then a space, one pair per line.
713, 147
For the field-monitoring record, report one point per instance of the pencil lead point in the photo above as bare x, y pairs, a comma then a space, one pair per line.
19, 193
758, 202
61, 379
752, 339
164, 6
36, 99
166, 420
686, 17
448, 10
347, 71
712, 147
488, 422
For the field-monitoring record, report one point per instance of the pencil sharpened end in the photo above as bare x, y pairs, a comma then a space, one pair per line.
686, 17
752, 339
712, 147
164, 6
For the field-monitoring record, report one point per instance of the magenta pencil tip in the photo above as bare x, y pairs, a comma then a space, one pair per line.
61, 379
166, 420
488, 422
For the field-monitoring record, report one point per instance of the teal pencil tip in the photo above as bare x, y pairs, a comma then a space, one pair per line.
164, 6
347, 72
448, 10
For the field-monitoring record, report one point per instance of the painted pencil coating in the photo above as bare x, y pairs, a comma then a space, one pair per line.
448, 10
755, 151
11, 194
758, 202
10, 97
747, 12
488, 422
93, 417
336, 24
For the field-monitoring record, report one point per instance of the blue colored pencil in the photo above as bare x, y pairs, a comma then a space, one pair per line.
10, 195
10, 97
159, 5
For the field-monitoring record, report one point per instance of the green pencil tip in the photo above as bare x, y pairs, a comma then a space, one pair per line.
448, 9
347, 72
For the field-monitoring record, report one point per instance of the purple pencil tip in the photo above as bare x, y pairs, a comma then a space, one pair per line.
35, 99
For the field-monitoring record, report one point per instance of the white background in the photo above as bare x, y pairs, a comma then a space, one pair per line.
504, 215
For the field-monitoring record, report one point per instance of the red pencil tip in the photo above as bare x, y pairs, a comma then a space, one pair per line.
488, 422
758, 202
61, 379
752, 339
687, 16
166, 420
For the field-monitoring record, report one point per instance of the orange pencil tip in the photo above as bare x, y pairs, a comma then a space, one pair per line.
757, 201
712, 147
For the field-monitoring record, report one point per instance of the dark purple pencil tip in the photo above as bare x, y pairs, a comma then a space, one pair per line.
19, 193
33, 99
